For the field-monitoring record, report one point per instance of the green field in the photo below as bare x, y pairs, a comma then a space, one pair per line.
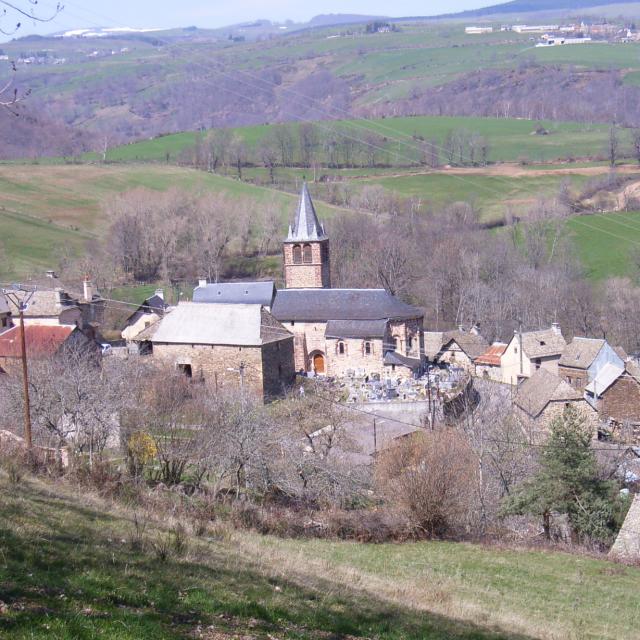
604, 242
509, 139
72, 567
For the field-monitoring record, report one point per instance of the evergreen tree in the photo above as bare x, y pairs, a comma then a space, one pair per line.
568, 482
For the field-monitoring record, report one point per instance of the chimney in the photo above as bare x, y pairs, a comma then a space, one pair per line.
160, 293
555, 327
88, 289
202, 282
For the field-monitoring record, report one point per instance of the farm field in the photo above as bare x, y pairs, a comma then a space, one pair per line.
73, 567
509, 139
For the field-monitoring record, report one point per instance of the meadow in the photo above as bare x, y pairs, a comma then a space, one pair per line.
74, 566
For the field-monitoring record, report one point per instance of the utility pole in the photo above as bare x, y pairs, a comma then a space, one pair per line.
375, 437
20, 296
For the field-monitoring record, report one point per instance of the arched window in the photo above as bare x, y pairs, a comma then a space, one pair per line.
367, 348
297, 254
306, 254
342, 349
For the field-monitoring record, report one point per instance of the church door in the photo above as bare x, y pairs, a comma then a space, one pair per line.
318, 363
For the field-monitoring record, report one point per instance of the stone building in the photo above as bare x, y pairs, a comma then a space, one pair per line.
147, 314
615, 392
227, 345
530, 351
459, 348
340, 332
488, 364
543, 397
583, 358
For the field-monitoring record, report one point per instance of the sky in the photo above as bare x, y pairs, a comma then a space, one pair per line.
215, 13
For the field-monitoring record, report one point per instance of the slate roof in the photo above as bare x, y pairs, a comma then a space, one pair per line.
540, 389
155, 304
356, 329
219, 324
394, 358
237, 293
433, 341
306, 225
491, 357
473, 345
581, 352
41, 340
541, 344
45, 303
321, 305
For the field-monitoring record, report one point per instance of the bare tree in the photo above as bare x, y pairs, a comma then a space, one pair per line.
613, 145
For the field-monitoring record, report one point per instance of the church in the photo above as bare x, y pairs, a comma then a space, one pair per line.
337, 332
340, 332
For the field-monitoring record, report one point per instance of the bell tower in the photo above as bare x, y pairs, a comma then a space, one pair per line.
306, 249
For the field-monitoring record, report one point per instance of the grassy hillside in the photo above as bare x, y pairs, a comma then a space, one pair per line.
47, 208
73, 568
509, 139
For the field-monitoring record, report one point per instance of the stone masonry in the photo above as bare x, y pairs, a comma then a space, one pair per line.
311, 274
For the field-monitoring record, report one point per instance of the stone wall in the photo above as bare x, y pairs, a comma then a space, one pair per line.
537, 429
355, 360
488, 372
409, 337
627, 544
212, 364
621, 401
577, 378
310, 275
454, 355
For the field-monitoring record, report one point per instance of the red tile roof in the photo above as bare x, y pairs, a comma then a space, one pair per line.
491, 357
41, 340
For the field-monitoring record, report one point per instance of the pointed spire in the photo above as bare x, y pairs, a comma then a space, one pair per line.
306, 226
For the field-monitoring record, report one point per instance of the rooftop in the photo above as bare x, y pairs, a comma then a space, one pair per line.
491, 357
237, 293
41, 340
356, 329
219, 324
306, 225
472, 344
45, 302
540, 389
581, 352
543, 343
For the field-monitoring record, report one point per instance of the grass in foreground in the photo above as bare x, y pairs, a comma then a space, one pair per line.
68, 570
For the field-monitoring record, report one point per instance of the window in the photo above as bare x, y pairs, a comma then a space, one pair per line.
410, 342
186, 370
538, 362
396, 344
307, 254
367, 348
341, 348
293, 324
297, 254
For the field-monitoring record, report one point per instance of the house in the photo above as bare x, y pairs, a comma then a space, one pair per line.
148, 313
226, 345
488, 364
341, 332
460, 348
584, 358
56, 306
262, 293
543, 397
42, 341
5, 313
527, 352
615, 392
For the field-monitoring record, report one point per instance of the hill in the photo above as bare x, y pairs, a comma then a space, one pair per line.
532, 6
74, 567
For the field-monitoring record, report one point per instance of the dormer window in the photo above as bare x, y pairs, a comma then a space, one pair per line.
307, 254
297, 254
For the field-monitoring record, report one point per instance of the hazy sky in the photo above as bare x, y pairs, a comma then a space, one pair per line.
216, 13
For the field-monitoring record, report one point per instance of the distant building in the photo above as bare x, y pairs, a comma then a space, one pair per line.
478, 30
147, 314
530, 351
240, 346
262, 293
534, 28
458, 348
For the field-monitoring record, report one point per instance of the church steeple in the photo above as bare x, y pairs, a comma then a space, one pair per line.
306, 226
306, 249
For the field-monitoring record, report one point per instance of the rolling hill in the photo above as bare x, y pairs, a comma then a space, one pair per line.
533, 6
